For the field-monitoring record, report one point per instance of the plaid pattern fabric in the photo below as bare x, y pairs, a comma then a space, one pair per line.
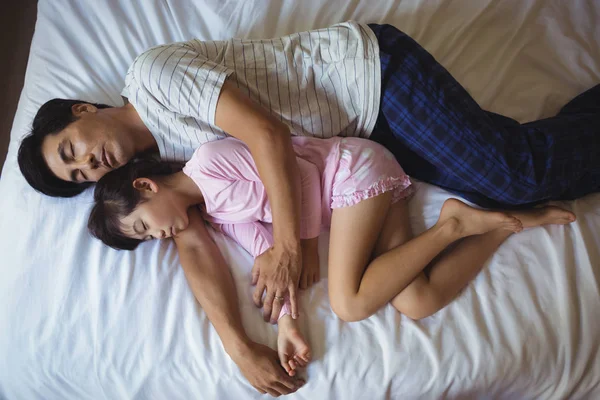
439, 134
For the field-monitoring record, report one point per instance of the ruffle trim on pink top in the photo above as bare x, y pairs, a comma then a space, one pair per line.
401, 187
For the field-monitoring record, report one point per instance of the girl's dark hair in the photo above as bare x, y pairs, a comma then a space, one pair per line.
115, 198
54, 116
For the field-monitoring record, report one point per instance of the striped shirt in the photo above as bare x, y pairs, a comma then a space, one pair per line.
320, 83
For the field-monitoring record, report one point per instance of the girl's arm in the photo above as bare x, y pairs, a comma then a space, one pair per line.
255, 238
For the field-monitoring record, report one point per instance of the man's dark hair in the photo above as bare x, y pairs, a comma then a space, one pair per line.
115, 198
54, 116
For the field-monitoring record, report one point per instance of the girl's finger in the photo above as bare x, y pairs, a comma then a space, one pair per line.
299, 361
286, 366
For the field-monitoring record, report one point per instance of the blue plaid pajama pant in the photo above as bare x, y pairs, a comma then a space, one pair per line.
439, 134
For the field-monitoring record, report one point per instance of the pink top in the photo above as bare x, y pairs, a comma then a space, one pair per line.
334, 172
233, 192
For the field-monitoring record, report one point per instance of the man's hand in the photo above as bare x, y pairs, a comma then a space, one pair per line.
260, 366
277, 271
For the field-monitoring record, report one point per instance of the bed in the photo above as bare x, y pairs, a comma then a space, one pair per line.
81, 321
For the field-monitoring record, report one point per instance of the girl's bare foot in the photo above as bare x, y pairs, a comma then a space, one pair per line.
471, 221
544, 216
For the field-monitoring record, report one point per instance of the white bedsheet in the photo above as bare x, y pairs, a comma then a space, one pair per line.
81, 321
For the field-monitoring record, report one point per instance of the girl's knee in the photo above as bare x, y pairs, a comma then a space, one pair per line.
418, 304
348, 309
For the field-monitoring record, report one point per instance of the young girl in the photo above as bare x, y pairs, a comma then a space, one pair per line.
352, 186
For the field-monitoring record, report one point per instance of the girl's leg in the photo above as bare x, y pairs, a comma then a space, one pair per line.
356, 291
453, 270
449, 274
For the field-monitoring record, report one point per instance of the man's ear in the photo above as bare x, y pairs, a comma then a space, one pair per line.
145, 185
81, 108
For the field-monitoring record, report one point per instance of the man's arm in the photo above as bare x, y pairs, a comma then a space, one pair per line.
278, 269
213, 286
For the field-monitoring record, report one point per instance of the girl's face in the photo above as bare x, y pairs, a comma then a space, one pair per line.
163, 214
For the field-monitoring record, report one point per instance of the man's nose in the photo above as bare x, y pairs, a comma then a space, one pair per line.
89, 161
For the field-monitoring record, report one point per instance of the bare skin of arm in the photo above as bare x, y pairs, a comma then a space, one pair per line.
277, 271
213, 286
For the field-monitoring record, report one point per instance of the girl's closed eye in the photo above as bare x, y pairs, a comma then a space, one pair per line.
149, 237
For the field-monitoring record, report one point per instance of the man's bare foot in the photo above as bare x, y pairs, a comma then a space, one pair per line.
544, 216
293, 350
472, 221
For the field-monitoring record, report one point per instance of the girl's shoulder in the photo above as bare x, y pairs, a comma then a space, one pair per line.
228, 159
214, 151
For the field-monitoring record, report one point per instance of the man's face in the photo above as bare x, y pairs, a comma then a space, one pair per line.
88, 148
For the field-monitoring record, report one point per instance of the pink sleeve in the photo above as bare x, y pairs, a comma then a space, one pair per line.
227, 159
255, 238
310, 217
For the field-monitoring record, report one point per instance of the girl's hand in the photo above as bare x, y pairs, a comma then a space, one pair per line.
293, 350
310, 263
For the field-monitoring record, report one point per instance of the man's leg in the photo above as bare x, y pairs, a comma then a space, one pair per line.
426, 115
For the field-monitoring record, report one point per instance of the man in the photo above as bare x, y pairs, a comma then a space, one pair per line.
350, 79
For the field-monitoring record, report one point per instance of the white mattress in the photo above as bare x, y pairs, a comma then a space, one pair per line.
81, 321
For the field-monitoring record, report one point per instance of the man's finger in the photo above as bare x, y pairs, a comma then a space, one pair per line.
277, 304
258, 293
268, 304
255, 274
293, 301
282, 388
288, 382
273, 392
259, 389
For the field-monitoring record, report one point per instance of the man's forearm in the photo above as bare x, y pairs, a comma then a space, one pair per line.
276, 163
270, 143
213, 286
